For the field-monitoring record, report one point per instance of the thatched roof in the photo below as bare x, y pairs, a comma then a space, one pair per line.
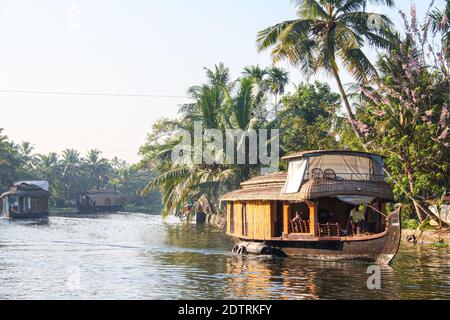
27, 190
328, 152
254, 194
316, 189
278, 178
102, 192
269, 188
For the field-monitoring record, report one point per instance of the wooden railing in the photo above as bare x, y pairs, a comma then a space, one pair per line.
299, 226
330, 230
346, 176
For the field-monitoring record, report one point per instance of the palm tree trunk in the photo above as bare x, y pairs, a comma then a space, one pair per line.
276, 106
350, 114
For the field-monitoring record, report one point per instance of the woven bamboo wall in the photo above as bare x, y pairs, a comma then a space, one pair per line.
259, 220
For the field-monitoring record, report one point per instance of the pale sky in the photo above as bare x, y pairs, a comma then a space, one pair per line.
122, 47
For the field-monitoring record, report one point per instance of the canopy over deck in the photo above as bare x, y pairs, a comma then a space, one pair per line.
350, 173
316, 153
34, 189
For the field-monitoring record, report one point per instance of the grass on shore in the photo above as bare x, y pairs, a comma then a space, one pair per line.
154, 209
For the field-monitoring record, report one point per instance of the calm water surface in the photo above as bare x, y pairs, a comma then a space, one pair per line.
133, 256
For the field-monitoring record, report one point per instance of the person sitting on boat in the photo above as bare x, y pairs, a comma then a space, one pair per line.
298, 217
358, 220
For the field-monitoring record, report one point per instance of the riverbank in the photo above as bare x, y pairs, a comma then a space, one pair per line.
427, 237
154, 209
55, 211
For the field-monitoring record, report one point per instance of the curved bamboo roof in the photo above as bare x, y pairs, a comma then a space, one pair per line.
322, 188
254, 194
329, 152
278, 178
27, 190
270, 188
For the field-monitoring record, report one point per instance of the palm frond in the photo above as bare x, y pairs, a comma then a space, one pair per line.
356, 62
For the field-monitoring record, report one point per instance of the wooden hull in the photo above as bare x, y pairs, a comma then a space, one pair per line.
20, 216
380, 248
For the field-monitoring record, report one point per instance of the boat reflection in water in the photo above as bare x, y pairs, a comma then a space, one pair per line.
295, 278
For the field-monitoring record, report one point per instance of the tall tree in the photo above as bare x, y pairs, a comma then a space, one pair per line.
70, 170
220, 105
325, 33
440, 24
97, 169
407, 119
308, 116
277, 82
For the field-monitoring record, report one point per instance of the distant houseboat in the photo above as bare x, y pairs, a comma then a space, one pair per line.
26, 200
309, 210
100, 201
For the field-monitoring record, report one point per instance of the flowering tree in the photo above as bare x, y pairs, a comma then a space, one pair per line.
406, 116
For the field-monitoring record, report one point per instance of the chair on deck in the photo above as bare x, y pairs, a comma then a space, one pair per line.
317, 174
330, 174
330, 230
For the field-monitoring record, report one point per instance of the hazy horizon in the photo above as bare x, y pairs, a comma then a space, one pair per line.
125, 48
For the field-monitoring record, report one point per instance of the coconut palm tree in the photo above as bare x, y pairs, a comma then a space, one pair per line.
327, 33
8, 162
277, 82
218, 105
70, 170
257, 73
96, 168
220, 75
47, 167
440, 23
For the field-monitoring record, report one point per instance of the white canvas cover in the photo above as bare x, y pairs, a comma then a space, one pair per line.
296, 173
44, 185
346, 166
356, 200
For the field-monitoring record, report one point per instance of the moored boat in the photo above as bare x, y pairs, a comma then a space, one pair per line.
312, 210
26, 200
100, 201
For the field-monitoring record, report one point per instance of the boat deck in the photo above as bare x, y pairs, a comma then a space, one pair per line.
312, 238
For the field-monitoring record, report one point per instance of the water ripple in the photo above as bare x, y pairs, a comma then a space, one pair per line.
136, 256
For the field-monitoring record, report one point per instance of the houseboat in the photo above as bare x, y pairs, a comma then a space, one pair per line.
26, 200
330, 205
100, 201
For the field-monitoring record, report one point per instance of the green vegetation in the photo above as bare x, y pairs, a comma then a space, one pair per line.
326, 32
70, 174
219, 104
440, 244
148, 209
398, 106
